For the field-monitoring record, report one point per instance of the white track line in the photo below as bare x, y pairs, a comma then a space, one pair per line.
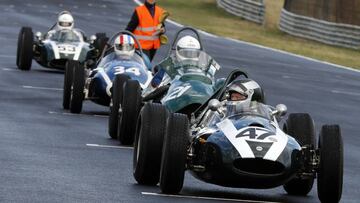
108, 146
344, 92
205, 198
264, 47
6, 56
42, 88
9, 69
75, 114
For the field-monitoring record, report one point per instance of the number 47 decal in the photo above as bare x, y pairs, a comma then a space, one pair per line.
255, 133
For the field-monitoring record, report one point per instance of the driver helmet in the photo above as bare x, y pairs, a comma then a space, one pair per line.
124, 45
240, 93
188, 48
65, 21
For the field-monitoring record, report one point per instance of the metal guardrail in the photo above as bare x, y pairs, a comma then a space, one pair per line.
252, 10
344, 35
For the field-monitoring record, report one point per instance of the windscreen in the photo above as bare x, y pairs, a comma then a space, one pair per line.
65, 36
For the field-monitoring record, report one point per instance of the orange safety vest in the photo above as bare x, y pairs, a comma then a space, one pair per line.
146, 30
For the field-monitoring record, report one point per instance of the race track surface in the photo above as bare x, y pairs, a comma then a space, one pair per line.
46, 153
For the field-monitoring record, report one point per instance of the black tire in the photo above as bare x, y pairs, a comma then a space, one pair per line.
77, 89
116, 96
149, 138
25, 48
173, 158
301, 127
130, 105
330, 173
68, 77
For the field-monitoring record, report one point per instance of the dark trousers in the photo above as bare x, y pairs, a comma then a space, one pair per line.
150, 53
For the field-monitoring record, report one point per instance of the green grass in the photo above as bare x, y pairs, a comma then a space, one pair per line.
205, 15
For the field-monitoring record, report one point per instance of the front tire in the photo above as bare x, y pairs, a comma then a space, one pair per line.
330, 173
301, 127
130, 106
116, 96
149, 137
174, 154
25, 48
77, 89
68, 77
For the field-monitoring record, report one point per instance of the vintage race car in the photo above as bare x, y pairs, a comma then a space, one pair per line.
102, 83
238, 147
186, 86
54, 48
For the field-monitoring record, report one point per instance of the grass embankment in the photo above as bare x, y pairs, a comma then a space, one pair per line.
205, 15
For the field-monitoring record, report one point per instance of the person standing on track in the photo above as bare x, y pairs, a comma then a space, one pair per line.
144, 24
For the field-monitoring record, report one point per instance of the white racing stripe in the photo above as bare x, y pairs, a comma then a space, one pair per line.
78, 51
205, 198
42, 88
55, 49
108, 146
229, 130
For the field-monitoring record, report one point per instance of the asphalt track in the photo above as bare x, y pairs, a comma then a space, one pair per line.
49, 155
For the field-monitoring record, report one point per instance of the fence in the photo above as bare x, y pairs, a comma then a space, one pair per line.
337, 11
327, 32
252, 10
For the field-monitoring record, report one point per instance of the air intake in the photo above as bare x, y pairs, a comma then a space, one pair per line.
259, 166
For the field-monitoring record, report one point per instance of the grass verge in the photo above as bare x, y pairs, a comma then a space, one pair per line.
205, 15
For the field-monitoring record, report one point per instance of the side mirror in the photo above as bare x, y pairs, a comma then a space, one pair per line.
214, 105
38, 35
280, 110
92, 39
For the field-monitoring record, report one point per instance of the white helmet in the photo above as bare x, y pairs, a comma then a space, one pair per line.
188, 48
65, 21
124, 45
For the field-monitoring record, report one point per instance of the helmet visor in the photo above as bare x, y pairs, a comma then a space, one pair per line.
124, 47
65, 24
189, 53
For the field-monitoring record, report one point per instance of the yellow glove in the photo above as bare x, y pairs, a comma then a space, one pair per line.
163, 38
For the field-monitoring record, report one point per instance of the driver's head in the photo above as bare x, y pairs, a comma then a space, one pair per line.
188, 48
124, 45
65, 21
236, 91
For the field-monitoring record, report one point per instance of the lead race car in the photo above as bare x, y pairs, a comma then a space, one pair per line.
118, 62
186, 80
57, 46
234, 140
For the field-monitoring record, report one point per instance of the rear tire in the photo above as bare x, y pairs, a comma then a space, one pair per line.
68, 77
130, 106
330, 173
149, 137
77, 90
116, 96
301, 127
174, 154
25, 48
